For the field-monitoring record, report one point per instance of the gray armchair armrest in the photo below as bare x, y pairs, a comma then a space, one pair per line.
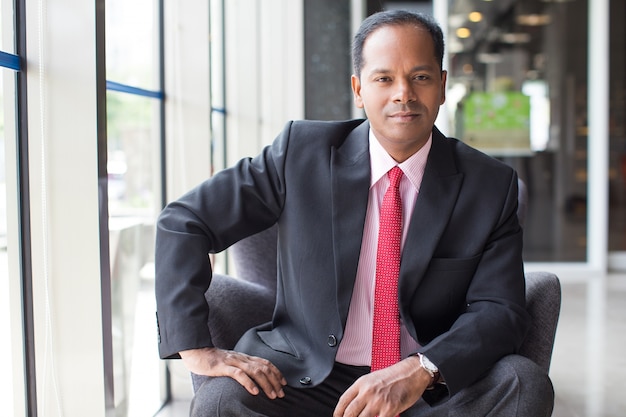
543, 302
235, 306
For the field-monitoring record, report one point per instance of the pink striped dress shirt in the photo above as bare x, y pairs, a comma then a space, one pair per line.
356, 346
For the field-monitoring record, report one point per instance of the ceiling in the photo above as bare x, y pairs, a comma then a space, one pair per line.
487, 27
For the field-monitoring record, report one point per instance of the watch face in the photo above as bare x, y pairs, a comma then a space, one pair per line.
429, 365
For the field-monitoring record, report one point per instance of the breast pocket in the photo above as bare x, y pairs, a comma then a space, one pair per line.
442, 291
441, 295
454, 264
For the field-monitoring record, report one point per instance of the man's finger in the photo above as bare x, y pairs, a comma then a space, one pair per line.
254, 373
267, 377
243, 379
344, 401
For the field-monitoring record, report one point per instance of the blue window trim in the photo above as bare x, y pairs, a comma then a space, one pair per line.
10, 61
123, 88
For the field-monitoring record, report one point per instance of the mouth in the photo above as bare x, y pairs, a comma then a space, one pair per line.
404, 116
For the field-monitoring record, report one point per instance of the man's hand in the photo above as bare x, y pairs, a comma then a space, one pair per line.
250, 371
385, 393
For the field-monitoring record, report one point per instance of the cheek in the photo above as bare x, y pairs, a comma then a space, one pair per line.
372, 102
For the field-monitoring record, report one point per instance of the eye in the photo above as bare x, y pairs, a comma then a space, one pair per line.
383, 79
421, 77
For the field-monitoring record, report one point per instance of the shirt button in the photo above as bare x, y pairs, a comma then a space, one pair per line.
332, 340
306, 380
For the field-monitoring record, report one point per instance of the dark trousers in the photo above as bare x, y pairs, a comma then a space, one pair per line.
516, 386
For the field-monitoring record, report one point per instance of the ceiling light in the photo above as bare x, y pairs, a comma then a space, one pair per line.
475, 17
463, 33
534, 19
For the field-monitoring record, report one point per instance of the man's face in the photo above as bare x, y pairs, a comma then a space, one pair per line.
400, 88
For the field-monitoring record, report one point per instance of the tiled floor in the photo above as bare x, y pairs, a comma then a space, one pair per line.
589, 360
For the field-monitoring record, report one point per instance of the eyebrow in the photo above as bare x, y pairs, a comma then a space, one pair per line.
426, 67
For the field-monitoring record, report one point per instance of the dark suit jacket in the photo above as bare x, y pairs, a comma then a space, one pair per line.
461, 279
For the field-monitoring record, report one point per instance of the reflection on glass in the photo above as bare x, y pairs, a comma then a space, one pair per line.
6, 383
517, 91
133, 179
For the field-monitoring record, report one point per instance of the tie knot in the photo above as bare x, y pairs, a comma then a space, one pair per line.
395, 175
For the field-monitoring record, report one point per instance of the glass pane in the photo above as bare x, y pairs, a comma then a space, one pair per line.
132, 43
517, 89
6, 382
7, 43
617, 130
134, 155
9, 279
2, 16
134, 199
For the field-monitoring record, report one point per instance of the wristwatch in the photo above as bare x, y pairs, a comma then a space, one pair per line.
429, 367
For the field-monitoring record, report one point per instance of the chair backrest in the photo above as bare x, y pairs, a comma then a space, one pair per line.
255, 258
522, 201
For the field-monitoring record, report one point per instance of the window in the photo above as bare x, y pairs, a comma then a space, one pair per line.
517, 89
10, 280
134, 120
6, 279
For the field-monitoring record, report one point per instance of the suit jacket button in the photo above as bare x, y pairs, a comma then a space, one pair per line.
306, 380
332, 340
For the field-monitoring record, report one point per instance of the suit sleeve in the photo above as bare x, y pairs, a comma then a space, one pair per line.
235, 203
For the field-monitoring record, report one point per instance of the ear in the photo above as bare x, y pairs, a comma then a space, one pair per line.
356, 91
444, 78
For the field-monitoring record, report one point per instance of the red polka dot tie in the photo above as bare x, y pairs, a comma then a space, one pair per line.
386, 329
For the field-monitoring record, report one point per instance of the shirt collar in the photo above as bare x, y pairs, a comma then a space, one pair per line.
381, 162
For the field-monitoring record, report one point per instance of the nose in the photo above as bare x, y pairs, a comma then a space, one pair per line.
404, 92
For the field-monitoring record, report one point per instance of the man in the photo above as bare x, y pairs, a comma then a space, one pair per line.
459, 292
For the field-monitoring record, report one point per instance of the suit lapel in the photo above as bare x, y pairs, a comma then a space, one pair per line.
438, 193
350, 179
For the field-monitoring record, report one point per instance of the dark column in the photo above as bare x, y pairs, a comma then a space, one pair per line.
328, 67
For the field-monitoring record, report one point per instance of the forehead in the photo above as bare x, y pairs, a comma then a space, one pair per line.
399, 42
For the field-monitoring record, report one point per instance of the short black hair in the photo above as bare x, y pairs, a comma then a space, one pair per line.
395, 17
